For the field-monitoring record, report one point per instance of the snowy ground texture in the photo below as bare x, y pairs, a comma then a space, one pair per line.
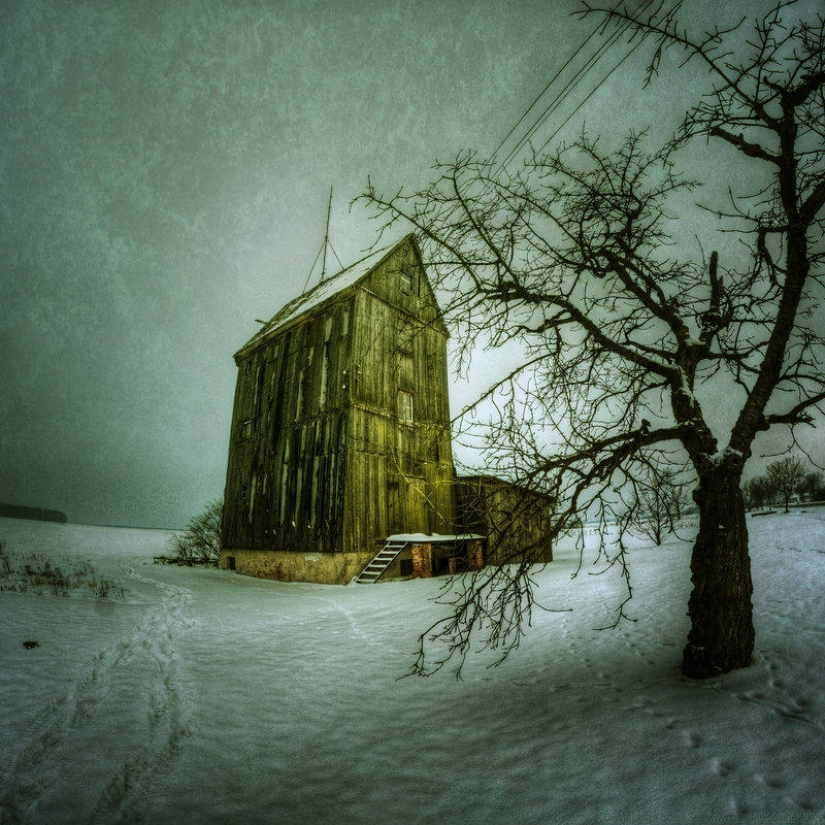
208, 697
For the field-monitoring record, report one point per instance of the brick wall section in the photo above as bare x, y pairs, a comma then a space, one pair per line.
475, 558
422, 561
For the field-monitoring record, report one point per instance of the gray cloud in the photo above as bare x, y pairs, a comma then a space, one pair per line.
164, 171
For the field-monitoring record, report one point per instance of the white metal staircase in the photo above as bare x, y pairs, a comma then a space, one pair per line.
386, 556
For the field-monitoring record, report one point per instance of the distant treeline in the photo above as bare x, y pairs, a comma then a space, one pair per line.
34, 513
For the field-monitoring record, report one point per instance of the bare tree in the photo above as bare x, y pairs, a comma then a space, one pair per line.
757, 492
785, 476
812, 486
573, 257
656, 506
202, 539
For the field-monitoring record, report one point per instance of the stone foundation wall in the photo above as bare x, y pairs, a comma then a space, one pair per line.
340, 568
290, 566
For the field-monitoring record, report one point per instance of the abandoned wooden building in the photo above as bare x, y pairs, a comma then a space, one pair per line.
340, 457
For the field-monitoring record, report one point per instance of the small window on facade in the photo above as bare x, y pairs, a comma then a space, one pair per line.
406, 280
322, 392
345, 322
405, 407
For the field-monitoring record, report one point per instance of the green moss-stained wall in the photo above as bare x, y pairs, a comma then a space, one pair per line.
340, 432
516, 521
285, 478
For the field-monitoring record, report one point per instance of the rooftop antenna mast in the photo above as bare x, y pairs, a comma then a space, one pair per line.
326, 239
323, 250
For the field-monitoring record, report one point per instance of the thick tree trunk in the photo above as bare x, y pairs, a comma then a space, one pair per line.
721, 636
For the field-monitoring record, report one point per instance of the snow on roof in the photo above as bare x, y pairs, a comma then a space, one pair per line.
434, 538
324, 291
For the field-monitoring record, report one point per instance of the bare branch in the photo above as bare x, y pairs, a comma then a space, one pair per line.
627, 334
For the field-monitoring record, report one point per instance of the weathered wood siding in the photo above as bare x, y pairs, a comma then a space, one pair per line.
400, 446
284, 485
340, 432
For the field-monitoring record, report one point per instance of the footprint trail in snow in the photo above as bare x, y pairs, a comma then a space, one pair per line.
124, 708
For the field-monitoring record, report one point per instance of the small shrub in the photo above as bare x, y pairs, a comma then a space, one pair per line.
103, 588
202, 540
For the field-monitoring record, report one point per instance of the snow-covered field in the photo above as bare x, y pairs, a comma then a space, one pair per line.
208, 697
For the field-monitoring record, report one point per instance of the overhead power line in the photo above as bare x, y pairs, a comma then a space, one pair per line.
604, 79
568, 88
543, 92
562, 95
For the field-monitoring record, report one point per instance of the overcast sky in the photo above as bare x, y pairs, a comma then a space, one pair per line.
164, 175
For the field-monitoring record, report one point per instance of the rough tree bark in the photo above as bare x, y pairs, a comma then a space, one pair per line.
721, 635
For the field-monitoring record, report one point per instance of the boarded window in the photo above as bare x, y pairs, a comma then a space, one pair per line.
322, 393
406, 372
259, 389
405, 407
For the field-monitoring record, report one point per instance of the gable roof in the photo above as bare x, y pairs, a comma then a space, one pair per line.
322, 293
